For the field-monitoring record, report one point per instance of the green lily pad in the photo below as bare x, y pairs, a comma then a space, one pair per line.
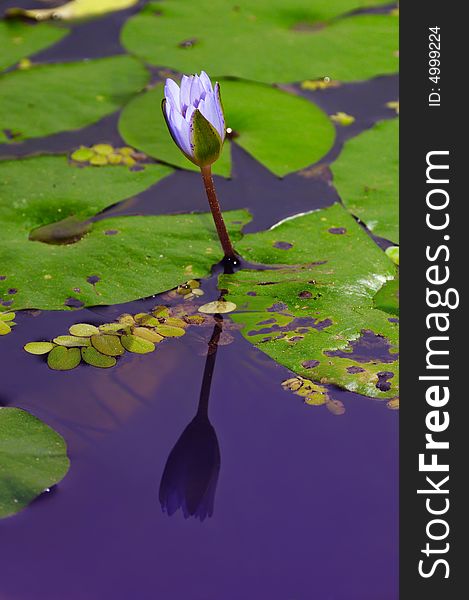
47, 99
366, 175
118, 260
110, 345
18, 40
5, 328
39, 347
33, 457
393, 253
308, 315
387, 298
96, 359
137, 344
147, 334
170, 331
64, 359
284, 132
268, 40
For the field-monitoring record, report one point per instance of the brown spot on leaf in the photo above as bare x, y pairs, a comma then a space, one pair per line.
283, 245
310, 364
338, 230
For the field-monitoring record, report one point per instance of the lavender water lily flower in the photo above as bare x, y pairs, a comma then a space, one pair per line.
195, 119
194, 116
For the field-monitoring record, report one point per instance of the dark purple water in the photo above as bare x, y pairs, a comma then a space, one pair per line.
306, 502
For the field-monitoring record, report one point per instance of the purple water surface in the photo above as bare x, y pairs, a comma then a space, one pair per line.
306, 506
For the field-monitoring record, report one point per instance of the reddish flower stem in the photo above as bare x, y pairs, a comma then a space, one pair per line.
216, 213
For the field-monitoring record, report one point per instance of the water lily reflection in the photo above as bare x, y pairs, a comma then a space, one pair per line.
190, 476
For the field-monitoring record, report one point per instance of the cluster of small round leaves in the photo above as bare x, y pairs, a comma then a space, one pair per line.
6, 322
101, 155
101, 346
313, 394
190, 289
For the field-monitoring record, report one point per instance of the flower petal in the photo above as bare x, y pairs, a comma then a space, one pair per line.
208, 108
222, 130
186, 83
205, 79
197, 91
172, 93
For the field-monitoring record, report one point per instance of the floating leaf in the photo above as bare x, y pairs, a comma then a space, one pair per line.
170, 331
137, 344
147, 334
18, 40
118, 260
85, 92
33, 458
217, 307
287, 42
39, 347
284, 132
4, 328
306, 315
107, 344
336, 407
94, 358
366, 175
73, 10
63, 359
387, 298
71, 341
393, 404
312, 393
83, 330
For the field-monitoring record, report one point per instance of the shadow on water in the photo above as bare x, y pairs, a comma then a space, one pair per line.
190, 476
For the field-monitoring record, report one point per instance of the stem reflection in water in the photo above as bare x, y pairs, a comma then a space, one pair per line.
190, 476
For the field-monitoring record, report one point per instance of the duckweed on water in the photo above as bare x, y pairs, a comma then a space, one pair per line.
101, 346
100, 155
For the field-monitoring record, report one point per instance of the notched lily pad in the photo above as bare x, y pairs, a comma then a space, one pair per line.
63, 359
33, 458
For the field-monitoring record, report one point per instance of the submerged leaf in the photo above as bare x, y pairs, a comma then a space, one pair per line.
33, 458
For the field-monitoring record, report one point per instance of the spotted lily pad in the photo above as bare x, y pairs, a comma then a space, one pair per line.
315, 317
284, 132
58, 97
18, 40
366, 175
61, 358
119, 259
33, 458
287, 41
